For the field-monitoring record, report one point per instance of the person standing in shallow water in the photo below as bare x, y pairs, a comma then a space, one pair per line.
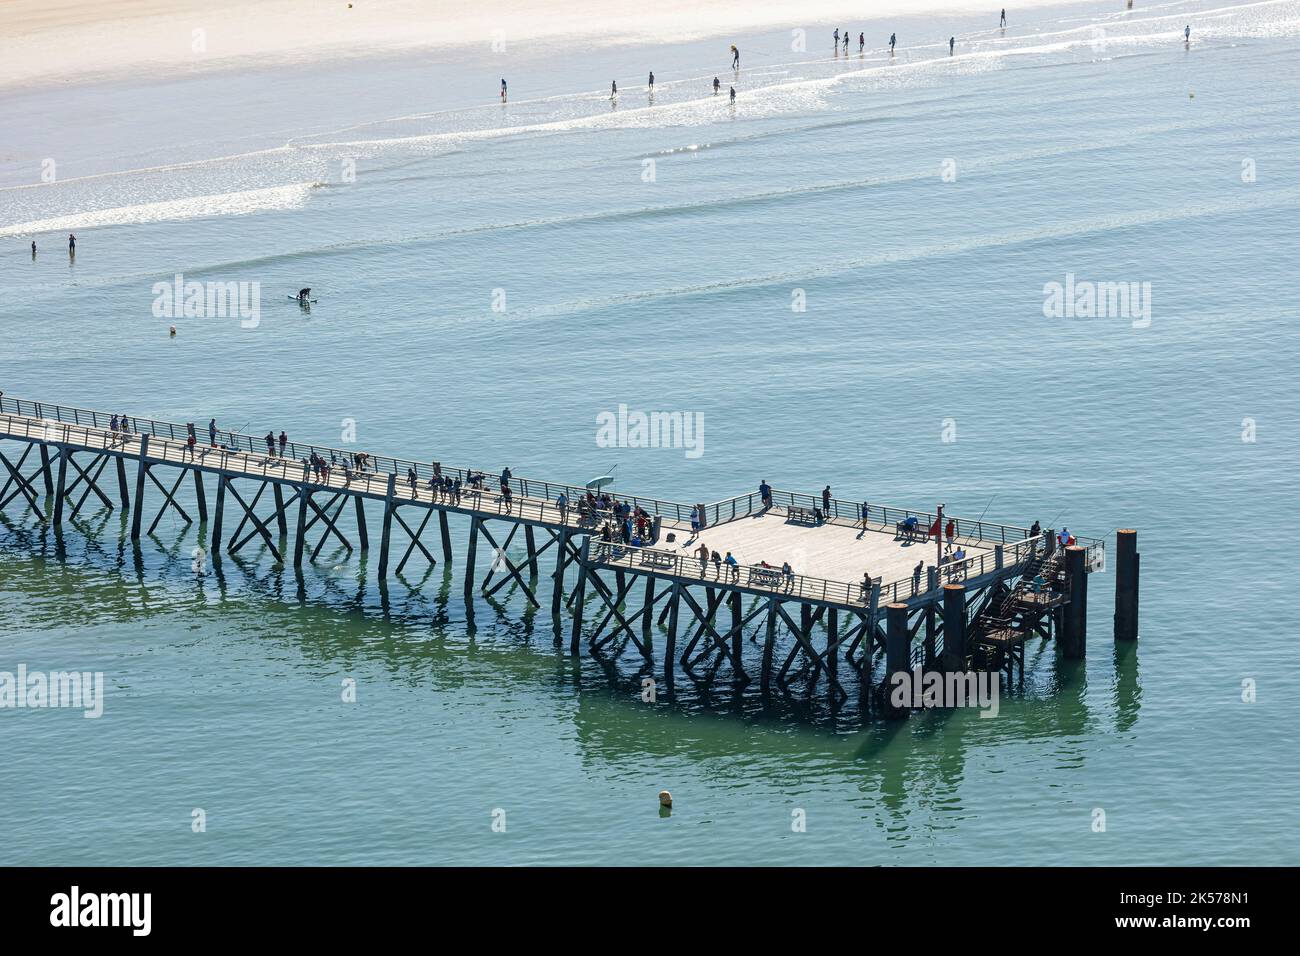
952, 43
1004, 17
72, 246
503, 89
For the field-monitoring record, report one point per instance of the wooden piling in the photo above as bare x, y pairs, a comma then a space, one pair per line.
363, 536
897, 656
214, 543
670, 644
576, 633
280, 519
954, 626
123, 489
446, 536
140, 473
386, 536
200, 496
471, 553
61, 485
832, 643
1127, 564
561, 559
769, 644
647, 619
300, 531
531, 544
1074, 635
45, 469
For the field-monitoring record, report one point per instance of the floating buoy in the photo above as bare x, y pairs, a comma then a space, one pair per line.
172, 332
665, 798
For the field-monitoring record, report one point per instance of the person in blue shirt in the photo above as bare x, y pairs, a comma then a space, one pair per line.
733, 565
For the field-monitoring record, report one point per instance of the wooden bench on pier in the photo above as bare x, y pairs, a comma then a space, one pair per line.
658, 559
801, 515
914, 531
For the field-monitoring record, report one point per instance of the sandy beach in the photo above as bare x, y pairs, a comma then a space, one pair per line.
65, 42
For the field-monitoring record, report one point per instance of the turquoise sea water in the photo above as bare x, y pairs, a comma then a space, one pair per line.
1084, 141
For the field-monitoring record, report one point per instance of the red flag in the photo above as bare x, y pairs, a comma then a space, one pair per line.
934, 528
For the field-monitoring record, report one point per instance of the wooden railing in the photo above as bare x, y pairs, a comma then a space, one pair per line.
755, 577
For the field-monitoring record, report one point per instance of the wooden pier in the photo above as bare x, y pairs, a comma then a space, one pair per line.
821, 622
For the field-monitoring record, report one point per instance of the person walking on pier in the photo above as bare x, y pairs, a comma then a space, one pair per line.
191, 439
950, 531
506, 498
411, 480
